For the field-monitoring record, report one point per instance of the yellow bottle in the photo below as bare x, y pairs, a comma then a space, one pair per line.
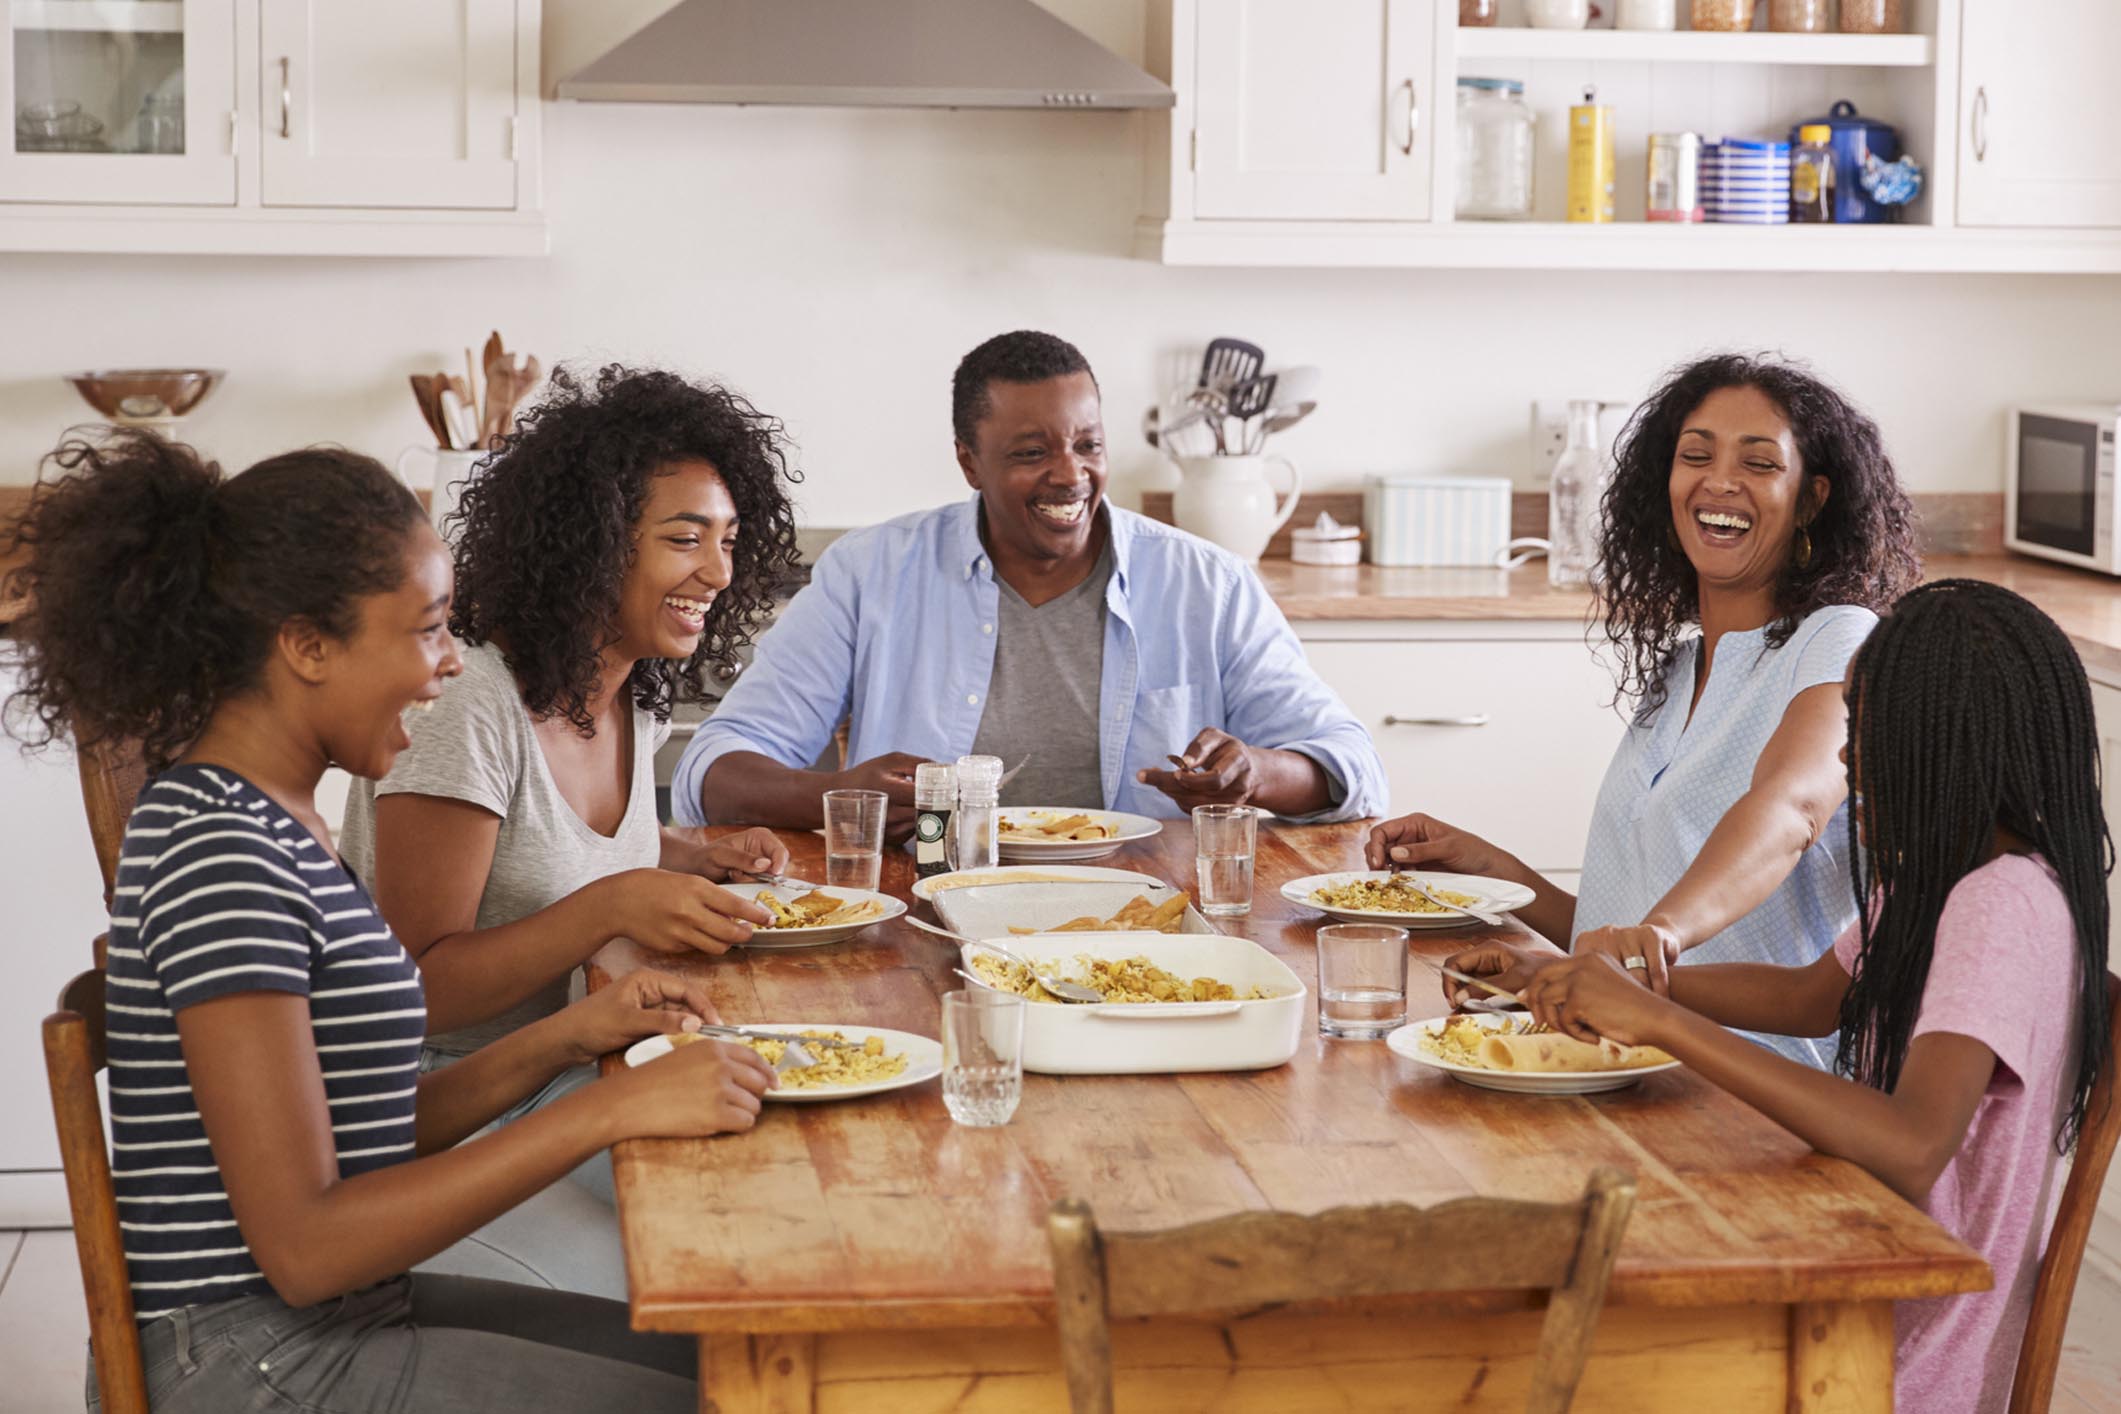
1591, 160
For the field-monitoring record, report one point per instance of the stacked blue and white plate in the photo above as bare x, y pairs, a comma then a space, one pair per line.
1745, 182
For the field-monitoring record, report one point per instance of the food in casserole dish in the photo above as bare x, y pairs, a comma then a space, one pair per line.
1137, 915
1134, 979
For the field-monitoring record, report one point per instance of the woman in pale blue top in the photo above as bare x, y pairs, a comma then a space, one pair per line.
1753, 529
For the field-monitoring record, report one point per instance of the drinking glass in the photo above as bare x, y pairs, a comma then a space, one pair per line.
983, 1056
1223, 840
1362, 979
854, 838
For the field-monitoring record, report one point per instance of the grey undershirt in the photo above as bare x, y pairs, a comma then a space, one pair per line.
1042, 701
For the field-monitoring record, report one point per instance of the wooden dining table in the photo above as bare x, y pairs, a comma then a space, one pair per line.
871, 1255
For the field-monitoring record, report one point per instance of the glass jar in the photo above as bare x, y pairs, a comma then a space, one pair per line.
1873, 16
1476, 14
1648, 14
1726, 15
1494, 150
1800, 16
1557, 14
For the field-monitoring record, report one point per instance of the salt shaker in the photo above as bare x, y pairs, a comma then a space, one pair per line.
978, 818
934, 799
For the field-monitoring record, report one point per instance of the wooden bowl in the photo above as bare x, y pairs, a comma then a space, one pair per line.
145, 394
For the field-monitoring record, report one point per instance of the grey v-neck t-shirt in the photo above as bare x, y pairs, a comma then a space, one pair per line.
477, 744
1042, 702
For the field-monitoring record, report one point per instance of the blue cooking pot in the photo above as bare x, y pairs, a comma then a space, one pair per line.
1871, 180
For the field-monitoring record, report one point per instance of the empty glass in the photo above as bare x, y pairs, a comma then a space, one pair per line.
983, 1056
854, 838
1362, 979
1224, 837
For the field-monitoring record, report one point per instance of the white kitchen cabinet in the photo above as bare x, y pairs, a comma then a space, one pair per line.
1502, 729
1314, 113
2038, 113
273, 127
396, 103
119, 101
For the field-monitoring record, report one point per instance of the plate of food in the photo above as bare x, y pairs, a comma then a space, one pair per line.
1508, 1051
1086, 906
808, 920
927, 889
1383, 896
874, 1060
1041, 834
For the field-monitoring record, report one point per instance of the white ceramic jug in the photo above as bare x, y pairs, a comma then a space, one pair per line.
1228, 500
451, 470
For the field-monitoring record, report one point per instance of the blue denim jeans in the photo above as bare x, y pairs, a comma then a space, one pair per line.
417, 1344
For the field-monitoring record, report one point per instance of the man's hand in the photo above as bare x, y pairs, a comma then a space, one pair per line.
1219, 770
893, 775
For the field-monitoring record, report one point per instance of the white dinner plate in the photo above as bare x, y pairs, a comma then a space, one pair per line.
1406, 1041
1125, 827
772, 938
1489, 895
926, 889
924, 1058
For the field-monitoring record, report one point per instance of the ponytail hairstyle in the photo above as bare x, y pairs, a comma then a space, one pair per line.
157, 586
1968, 709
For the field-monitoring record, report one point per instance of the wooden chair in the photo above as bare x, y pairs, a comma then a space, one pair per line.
73, 1055
112, 775
1256, 1260
2056, 1286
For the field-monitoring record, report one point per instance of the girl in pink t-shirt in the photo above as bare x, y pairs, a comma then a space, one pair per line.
1971, 994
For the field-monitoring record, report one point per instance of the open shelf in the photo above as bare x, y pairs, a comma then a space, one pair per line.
99, 16
1876, 51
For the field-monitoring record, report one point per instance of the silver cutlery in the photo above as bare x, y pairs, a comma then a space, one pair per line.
1060, 987
794, 1053
1470, 980
781, 881
1010, 774
1493, 920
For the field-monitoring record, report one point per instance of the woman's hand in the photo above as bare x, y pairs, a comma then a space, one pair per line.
1424, 842
665, 911
706, 1087
1645, 952
1507, 965
643, 1003
757, 851
1592, 997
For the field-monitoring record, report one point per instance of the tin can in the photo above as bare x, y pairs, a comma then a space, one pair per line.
1591, 160
1673, 192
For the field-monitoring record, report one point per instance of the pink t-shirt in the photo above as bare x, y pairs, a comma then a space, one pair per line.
2005, 974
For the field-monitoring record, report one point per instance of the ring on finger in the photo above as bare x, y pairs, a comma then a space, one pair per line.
1637, 963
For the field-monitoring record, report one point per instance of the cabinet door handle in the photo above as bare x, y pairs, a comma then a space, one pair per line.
1413, 119
1477, 719
287, 100
1981, 124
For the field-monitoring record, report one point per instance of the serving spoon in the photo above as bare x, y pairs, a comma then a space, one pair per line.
1067, 991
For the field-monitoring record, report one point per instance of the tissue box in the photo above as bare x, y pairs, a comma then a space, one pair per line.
1436, 520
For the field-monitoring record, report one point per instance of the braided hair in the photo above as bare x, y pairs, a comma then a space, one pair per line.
1968, 710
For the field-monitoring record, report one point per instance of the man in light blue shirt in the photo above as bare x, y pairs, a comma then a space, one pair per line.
901, 631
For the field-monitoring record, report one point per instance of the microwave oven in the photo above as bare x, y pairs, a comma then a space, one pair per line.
2058, 490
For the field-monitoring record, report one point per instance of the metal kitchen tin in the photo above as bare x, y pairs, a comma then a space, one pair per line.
1591, 160
1674, 185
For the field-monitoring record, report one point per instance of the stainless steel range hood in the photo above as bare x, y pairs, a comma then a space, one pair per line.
866, 54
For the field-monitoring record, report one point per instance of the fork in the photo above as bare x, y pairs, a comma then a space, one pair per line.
1414, 882
1010, 774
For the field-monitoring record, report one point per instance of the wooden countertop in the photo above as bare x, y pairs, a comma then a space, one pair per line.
882, 1214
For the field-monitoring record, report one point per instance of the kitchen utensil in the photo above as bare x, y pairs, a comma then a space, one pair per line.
1010, 774
1362, 980
1229, 362
145, 394
424, 395
1248, 400
1065, 990
1414, 881
1295, 397
472, 401
1228, 500
747, 1033
1469, 979
463, 431
780, 881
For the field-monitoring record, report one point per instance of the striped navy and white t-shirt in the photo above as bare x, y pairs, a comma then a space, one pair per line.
218, 892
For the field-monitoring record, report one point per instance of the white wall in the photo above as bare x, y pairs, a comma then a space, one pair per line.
835, 263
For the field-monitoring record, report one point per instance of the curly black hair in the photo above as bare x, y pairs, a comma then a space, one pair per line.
157, 585
548, 531
1021, 356
1863, 538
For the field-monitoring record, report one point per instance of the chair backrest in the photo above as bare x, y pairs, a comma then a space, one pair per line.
73, 1054
112, 776
2054, 1289
1256, 1260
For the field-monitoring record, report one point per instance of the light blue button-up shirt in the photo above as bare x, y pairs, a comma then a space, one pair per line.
895, 633
1672, 781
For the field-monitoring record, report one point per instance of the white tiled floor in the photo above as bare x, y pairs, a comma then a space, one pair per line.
44, 1326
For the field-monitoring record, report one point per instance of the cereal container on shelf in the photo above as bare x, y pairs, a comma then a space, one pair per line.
1725, 15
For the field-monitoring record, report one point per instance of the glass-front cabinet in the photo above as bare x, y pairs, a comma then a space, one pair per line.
119, 101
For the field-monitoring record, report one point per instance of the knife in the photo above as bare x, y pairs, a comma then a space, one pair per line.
1469, 979
745, 1033
1414, 882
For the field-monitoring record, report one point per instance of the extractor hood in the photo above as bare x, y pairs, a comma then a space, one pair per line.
866, 54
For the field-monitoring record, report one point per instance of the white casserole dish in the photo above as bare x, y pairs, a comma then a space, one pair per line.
991, 910
1156, 1038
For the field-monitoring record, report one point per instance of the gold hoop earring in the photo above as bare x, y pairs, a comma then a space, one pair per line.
1804, 548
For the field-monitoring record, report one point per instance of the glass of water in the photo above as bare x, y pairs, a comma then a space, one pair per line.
983, 1055
1362, 979
854, 838
1224, 837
